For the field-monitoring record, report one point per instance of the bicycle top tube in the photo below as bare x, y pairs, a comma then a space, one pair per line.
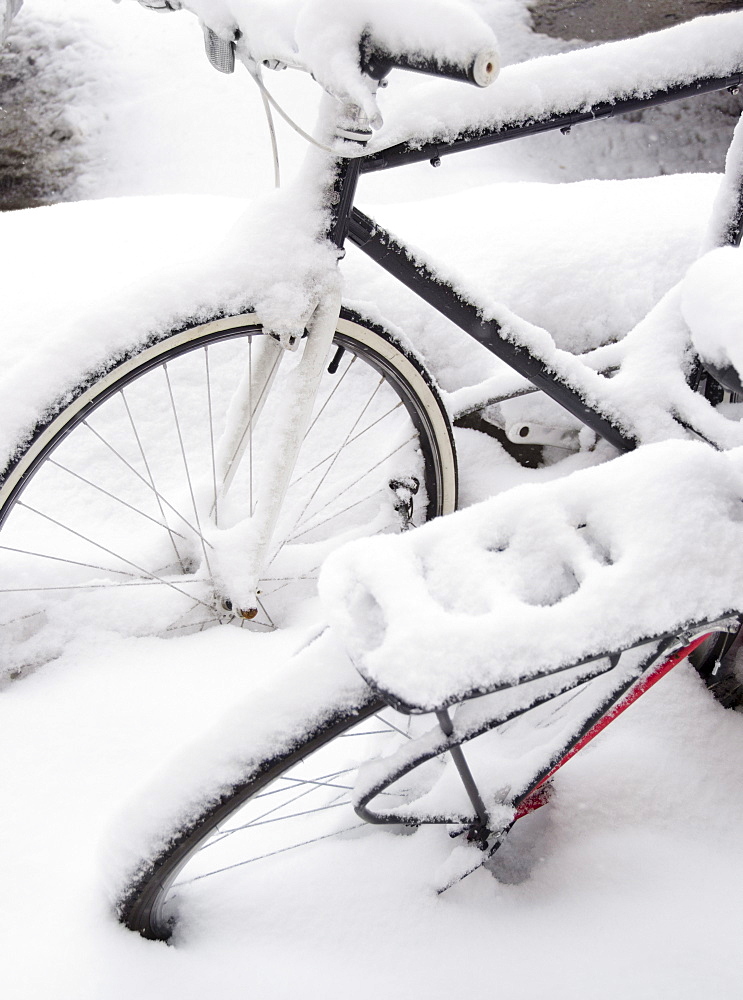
558, 91
504, 129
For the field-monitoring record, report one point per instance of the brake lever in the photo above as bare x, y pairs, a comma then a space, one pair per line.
162, 6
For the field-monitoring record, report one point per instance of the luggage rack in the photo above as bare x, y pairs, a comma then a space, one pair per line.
568, 706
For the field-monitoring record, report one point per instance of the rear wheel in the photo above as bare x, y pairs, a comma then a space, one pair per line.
283, 806
112, 515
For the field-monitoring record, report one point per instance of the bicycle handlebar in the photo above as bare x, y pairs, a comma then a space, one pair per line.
480, 71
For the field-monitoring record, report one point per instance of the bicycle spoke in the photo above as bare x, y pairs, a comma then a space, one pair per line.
139, 476
379, 732
116, 555
288, 579
338, 452
287, 777
284, 817
282, 805
251, 506
291, 579
313, 527
331, 394
158, 498
350, 441
157, 582
263, 609
113, 497
331, 517
248, 429
71, 562
185, 466
271, 854
296, 815
199, 626
211, 436
317, 783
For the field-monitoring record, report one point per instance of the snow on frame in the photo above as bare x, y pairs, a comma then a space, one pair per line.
706, 47
322, 37
200, 262
147, 310
240, 275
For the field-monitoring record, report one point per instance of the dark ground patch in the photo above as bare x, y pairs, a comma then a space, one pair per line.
38, 147
604, 20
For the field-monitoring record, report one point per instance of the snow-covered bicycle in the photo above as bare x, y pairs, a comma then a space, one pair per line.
203, 477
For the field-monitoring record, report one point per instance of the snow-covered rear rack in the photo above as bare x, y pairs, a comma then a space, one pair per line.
529, 733
530, 614
544, 577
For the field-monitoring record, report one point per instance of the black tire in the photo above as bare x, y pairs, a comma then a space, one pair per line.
152, 902
101, 511
715, 662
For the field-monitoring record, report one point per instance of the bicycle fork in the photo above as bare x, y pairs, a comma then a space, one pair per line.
241, 552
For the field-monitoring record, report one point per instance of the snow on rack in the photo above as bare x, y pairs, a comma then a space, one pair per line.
544, 576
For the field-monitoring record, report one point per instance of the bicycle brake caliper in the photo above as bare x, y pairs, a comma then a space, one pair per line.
404, 490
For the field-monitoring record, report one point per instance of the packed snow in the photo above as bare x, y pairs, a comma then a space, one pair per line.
613, 887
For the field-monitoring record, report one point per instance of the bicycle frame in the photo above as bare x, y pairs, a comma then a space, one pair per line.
398, 260
578, 391
626, 673
571, 393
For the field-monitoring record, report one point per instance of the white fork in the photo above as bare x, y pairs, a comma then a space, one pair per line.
240, 552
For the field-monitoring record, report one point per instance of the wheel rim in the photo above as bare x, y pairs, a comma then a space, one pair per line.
306, 804
282, 813
110, 526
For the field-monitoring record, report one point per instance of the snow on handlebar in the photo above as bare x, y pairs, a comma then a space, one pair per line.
348, 45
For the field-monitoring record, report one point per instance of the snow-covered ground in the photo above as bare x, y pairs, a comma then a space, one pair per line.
628, 883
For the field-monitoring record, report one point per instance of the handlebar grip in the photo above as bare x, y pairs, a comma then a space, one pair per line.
481, 70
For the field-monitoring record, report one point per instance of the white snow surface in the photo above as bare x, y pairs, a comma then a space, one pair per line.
205, 255
716, 276
612, 888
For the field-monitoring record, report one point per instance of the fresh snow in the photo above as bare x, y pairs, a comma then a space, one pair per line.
629, 882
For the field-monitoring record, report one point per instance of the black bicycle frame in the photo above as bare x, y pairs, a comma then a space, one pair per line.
399, 261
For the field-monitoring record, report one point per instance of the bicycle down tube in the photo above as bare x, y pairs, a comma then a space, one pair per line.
394, 257
398, 260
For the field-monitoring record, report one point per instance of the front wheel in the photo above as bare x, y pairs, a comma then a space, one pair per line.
111, 516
